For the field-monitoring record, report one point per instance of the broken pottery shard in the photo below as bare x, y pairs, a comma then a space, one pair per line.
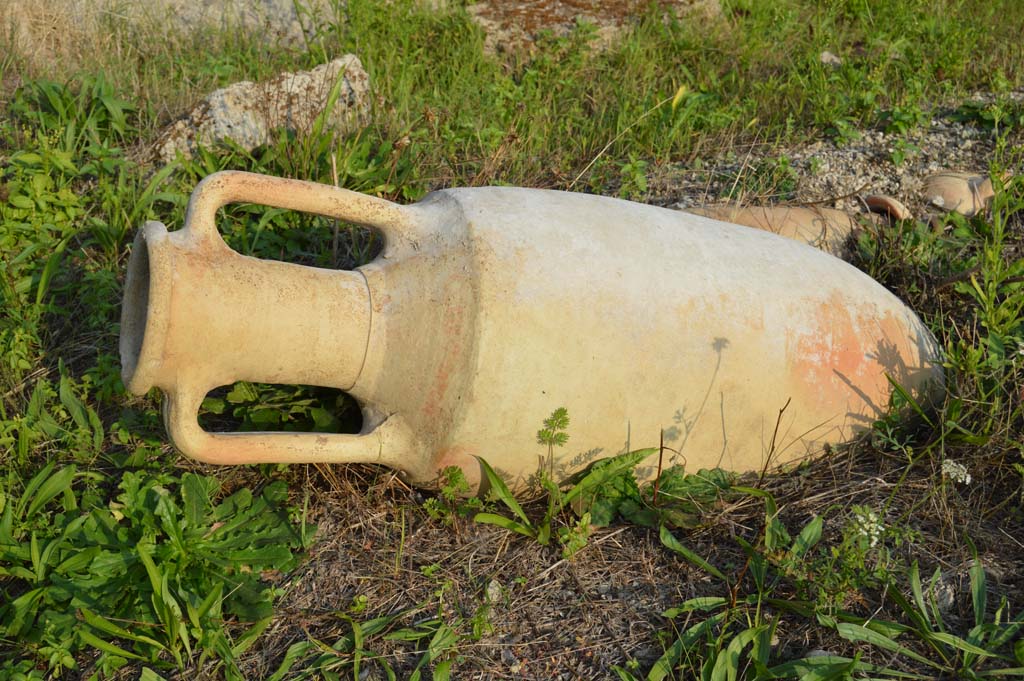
887, 205
964, 193
824, 228
249, 114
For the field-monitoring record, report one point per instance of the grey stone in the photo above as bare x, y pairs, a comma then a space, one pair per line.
830, 59
513, 25
250, 114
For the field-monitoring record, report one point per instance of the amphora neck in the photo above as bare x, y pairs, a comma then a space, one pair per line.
198, 315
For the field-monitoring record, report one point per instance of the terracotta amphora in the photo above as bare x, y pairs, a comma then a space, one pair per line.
489, 308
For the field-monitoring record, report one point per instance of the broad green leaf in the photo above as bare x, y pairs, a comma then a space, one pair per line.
140, 208
23, 202
703, 487
808, 537
917, 592
442, 671
501, 490
214, 405
727, 665
507, 523
829, 666
245, 641
762, 648
22, 611
51, 267
264, 417
623, 674
543, 535
666, 664
1000, 634
170, 520
196, 615
295, 652
106, 626
49, 486
673, 544
958, 643
78, 560
99, 644
919, 619
38, 568
700, 603
242, 393
444, 639
1010, 672
357, 646
979, 590
599, 476
27, 158
775, 535
18, 572
196, 493
857, 633
75, 407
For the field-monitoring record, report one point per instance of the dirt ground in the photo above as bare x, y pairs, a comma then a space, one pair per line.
538, 616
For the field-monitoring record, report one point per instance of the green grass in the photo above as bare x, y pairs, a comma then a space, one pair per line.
112, 556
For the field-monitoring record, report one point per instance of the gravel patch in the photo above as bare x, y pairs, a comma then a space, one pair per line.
825, 173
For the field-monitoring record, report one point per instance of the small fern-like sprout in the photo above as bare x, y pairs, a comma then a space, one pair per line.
553, 433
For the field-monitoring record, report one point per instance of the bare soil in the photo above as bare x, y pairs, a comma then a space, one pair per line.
539, 616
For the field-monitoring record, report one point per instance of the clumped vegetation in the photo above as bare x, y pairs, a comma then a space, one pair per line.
898, 557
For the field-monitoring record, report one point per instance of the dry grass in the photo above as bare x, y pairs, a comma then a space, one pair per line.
162, 66
60, 38
543, 617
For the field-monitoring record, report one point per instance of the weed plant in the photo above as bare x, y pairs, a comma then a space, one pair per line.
117, 558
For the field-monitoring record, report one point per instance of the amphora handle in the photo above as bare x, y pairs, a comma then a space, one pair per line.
233, 186
387, 441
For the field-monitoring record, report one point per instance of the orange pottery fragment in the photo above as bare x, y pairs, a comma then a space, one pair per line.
824, 228
888, 206
964, 193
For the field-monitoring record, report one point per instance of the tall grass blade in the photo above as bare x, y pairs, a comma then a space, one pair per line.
909, 399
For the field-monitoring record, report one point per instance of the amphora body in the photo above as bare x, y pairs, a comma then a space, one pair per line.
489, 308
